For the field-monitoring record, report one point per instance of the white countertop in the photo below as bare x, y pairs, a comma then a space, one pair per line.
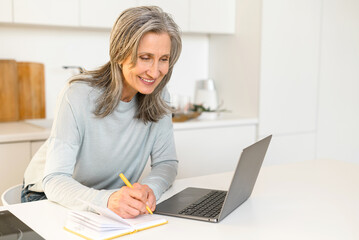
22, 131
39, 129
221, 121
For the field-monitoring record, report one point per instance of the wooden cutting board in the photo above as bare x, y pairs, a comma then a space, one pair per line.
8, 91
31, 87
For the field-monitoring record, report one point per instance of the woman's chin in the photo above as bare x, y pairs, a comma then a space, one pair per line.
147, 90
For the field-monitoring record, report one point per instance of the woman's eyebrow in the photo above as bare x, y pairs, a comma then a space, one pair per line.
151, 54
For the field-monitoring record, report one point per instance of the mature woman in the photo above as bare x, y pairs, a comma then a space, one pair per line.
111, 120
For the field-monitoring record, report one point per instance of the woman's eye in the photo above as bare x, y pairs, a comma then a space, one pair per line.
145, 58
165, 59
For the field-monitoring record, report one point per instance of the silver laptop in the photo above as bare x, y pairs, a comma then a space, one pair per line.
214, 205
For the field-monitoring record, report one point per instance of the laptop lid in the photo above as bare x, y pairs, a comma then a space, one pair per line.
245, 176
239, 191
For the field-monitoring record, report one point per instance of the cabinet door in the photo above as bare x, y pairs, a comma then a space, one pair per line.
291, 148
289, 77
178, 9
211, 150
47, 12
14, 158
212, 16
289, 66
5, 11
98, 13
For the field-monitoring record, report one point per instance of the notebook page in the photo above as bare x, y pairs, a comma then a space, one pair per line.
146, 221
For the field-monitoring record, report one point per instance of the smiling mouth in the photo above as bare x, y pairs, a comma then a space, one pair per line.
147, 80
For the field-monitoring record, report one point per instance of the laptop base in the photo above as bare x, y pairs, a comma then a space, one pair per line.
179, 201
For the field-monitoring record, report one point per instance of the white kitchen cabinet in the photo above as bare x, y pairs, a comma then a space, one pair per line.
103, 14
19, 141
291, 148
6, 11
193, 16
211, 150
338, 115
219, 16
289, 66
210, 146
47, 12
289, 78
179, 10
14, 158
212, 16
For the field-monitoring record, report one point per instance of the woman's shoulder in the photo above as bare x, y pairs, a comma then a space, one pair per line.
79, 87
80, 92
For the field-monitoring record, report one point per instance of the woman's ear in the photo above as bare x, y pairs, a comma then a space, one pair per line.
119, 65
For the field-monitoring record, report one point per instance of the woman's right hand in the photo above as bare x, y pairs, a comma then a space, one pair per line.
131, 202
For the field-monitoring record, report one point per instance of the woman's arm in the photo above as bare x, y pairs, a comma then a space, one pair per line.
161, 177
164, 161
63, 147
63, 189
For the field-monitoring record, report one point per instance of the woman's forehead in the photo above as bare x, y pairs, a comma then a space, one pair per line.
155, 43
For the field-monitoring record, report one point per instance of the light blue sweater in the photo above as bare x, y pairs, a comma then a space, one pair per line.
85, 154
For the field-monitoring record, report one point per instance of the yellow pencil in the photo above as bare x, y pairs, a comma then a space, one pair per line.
128, 184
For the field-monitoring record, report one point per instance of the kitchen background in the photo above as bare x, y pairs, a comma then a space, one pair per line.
290, 66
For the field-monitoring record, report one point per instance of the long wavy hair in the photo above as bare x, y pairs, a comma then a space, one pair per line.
126, 34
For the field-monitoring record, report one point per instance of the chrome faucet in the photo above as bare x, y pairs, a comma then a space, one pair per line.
81, 69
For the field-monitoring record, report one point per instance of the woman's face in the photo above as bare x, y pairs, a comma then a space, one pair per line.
152, 65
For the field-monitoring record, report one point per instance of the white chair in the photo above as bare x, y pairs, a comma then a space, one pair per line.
12, 195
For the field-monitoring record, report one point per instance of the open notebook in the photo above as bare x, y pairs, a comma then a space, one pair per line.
106, 224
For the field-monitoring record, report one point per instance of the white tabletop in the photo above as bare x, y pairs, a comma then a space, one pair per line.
307, 200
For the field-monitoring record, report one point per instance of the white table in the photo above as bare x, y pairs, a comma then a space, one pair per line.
307, 200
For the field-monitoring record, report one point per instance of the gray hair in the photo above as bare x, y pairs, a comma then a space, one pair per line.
126, 34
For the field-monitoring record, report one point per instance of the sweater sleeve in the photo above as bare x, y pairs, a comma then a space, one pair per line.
64, 143
63, 189
164, 161
161, 177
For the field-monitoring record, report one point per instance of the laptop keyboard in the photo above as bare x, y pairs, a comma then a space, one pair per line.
208, 206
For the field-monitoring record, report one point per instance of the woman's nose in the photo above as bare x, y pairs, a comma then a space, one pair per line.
154, 70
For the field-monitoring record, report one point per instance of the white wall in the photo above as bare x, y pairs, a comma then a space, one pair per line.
192, 65
338, 116
58, 46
